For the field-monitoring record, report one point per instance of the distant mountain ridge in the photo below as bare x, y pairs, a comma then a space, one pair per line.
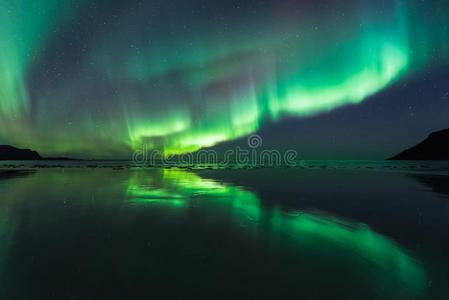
12, 153
8, 152
434, 147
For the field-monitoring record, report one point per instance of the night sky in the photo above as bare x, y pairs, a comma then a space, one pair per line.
331, 79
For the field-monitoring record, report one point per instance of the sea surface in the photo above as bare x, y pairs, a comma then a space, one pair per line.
320, 230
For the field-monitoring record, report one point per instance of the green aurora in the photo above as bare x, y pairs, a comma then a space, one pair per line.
178, 84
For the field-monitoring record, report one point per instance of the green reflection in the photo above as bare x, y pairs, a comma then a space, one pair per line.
314, 231
10, 197
313, 234
7, 228
52, 198
178, 188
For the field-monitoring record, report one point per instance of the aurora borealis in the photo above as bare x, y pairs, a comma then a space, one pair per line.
100, 78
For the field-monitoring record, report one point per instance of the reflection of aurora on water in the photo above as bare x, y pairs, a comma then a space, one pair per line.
7, 227
312, 234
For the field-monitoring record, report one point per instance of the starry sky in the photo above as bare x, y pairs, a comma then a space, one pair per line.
331, 79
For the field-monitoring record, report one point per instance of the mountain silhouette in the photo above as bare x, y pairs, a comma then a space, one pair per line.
13, 153
434, 147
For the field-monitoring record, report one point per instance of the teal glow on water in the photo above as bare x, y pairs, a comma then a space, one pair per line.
315, 231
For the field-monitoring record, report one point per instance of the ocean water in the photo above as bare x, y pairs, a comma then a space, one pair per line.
321, 230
